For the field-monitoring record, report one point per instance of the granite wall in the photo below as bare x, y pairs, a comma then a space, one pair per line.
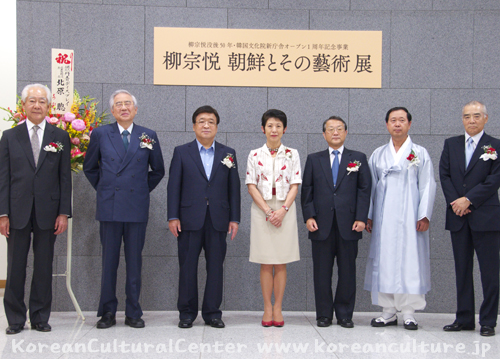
437, 55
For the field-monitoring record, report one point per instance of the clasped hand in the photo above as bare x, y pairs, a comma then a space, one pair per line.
460, 206
276, 217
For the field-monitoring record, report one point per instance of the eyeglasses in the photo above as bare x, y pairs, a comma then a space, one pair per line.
202, 123
121, 104
332, 129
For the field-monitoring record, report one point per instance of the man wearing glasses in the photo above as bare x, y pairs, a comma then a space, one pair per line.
203, 206
124, 164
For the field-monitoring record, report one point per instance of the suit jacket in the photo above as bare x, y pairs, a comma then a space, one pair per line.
47, 186
189, 189
123, 179
350, 198
479, 183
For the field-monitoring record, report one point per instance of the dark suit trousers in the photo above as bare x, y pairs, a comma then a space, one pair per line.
18, 245
134, 235
190, 244
486, 245
323, 254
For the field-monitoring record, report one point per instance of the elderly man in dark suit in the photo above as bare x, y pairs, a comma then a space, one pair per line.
335, 202
124, 164
203, 206
35, 197
470, 176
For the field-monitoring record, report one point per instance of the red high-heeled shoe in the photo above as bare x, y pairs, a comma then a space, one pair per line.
278, 324
267, 324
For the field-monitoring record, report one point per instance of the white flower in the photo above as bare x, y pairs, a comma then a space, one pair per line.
228, 161
489, 153
54, 147
149, 146
489, 156
49, 148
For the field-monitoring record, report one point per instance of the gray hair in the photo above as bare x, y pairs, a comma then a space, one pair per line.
26, 88
113, 95
477, 103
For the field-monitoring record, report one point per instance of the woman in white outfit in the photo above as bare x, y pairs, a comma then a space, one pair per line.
273, 177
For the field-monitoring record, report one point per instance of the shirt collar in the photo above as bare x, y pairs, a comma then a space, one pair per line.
475, 138
340, 149
121, 129
200, 146
41, 125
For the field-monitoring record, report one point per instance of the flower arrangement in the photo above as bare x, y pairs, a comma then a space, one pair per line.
79, 123
413, 158
353, 166
228, 161
489, 153
146, 141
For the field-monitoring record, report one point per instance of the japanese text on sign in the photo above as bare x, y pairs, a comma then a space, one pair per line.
273, 58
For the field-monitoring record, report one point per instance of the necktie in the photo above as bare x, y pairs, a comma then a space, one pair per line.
469, 150
35, 144
335, 166
125, 139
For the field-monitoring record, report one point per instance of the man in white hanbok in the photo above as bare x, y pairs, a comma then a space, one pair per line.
403, 190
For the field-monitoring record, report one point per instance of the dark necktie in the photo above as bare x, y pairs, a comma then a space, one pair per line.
335, 166
125, 139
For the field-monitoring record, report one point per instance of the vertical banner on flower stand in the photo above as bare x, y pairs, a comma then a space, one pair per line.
62, 101
62, 80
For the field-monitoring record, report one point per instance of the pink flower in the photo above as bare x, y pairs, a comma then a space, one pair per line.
78, 125
75, 141
75, 152
53, 120
69, 117
47, 118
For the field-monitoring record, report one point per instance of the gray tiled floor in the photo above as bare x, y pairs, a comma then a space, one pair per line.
243, 337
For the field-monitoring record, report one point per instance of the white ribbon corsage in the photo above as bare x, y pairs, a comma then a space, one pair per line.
54, 147
414, 160
353, 167
146, 141
228, 161
489, 153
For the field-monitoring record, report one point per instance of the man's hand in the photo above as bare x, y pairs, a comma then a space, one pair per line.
369, 224
233, 229
423, 225
5, 226
311, 225
460, 206
61, 224
358, 226
175, 226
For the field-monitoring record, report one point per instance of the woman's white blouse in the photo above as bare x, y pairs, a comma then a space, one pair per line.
286, 171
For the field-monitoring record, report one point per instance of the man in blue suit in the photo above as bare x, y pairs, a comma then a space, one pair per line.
203, 206
124, 164
470, 176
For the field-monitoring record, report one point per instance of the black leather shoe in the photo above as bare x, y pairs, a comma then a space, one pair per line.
345, 323
324, 322
487, 331
216, 323
14, 329
456, 327
134, 323
106, 321
41, 327
410, 324
185, 323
